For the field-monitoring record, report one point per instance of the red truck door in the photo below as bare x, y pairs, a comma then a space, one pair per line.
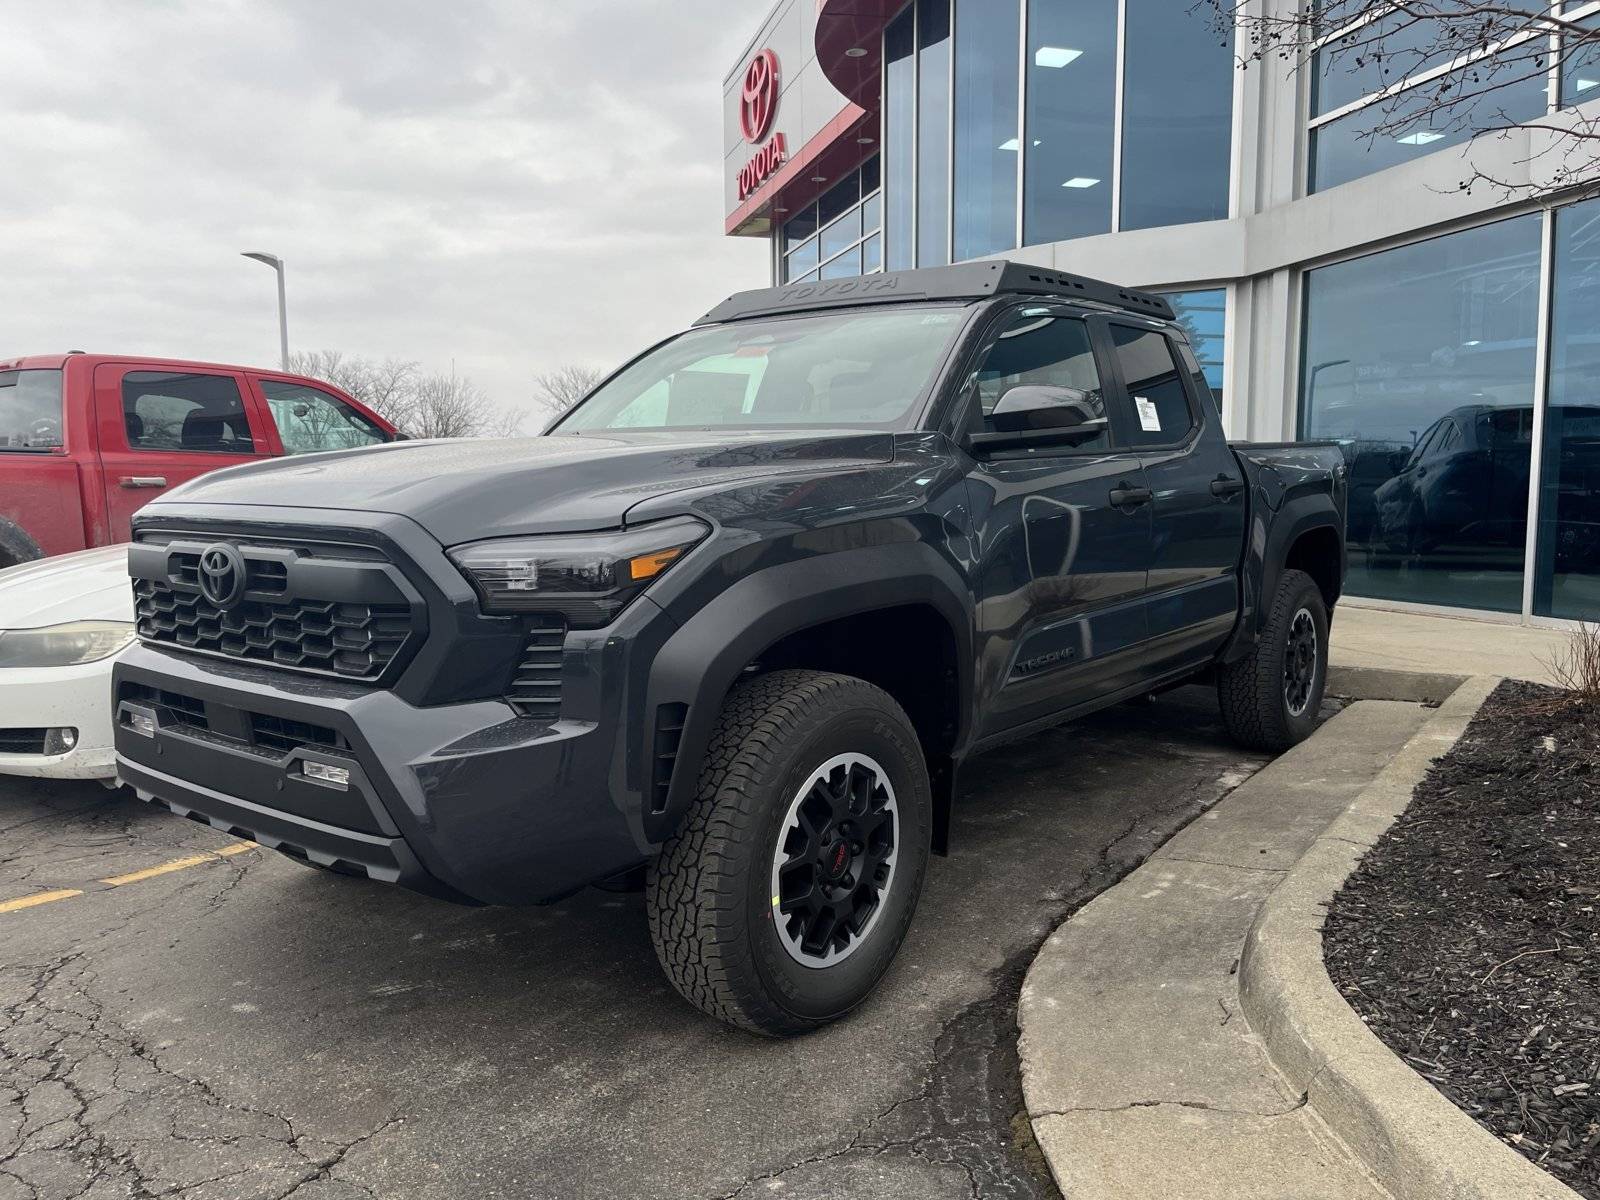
160, 428
40, 508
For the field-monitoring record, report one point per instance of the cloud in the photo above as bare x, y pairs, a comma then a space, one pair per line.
512, 184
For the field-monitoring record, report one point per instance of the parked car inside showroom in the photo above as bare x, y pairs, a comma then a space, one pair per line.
63, 621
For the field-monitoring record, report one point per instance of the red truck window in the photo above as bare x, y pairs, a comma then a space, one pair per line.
309, 419
30, 410
169, 410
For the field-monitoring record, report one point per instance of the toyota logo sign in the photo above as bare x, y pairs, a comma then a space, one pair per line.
759, 102
221, 575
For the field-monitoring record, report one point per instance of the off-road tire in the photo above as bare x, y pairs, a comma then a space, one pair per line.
707, 893
1251, 692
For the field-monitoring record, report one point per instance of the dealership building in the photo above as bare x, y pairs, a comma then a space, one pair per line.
1335, 284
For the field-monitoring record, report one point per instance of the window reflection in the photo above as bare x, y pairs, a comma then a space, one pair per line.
1420, 362
987, 35
899, 137
1567, 565
933, 132
1203, 315
1071, 77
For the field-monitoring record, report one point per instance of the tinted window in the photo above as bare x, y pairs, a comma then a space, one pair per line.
899, 138
827, 370
310, 420
1039, 348
1399, 347
1204, 317
987, 35
1580, 70
1177, 115
1161, 413
164, 410
1377, 55
30, 410
1072, 78
933, 132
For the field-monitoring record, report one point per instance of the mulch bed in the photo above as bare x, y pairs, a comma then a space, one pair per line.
1469, 937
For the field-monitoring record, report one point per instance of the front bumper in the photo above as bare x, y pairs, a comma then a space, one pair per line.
467, 801
77, 697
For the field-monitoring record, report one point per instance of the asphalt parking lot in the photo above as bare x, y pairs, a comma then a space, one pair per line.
231, 1024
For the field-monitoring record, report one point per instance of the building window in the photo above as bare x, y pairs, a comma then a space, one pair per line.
828, 239
1351, 71
1177, 115
1071, 112
1566, 581
986, 128
1420, 362
933, 132
1580, 70
900, 138
1204, 317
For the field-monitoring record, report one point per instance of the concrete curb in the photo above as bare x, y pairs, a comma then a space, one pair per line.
1412, 1140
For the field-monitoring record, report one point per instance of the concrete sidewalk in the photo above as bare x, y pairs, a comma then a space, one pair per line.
1406, 641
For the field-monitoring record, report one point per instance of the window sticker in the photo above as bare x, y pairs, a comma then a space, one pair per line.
1149, 418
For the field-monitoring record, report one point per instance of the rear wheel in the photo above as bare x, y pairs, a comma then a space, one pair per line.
790, 883
1271, 697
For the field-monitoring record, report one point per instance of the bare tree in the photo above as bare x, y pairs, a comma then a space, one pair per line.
386, 387
450, 406
557, 391
1441, 68
396, 389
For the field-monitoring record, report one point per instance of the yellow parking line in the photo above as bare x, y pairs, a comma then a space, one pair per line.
178, 864
38, 898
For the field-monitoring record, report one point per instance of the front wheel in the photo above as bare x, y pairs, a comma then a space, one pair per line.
785, 892
1270, 698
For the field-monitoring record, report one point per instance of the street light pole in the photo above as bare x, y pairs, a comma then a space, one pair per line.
276, 263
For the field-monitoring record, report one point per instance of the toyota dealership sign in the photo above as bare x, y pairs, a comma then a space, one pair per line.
758, 107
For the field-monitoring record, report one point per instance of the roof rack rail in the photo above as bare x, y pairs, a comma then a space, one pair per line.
963, 281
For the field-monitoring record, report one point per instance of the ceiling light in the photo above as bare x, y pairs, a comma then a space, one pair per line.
1055, 56
1037, 142
1008, 144
819, 179
856, 52
1080, 181
865, 141
1583, 85
1420, 138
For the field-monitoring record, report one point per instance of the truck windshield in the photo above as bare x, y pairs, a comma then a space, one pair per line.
859, 368
30, 410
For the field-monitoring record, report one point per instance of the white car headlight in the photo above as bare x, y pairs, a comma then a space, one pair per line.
63, 645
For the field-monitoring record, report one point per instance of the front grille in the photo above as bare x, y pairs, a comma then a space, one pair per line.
536, 688
22, 741
330, 609
260, 733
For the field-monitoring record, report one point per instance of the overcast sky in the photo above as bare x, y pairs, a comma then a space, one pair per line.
517, 184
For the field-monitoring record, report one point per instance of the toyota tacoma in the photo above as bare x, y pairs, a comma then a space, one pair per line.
734, 625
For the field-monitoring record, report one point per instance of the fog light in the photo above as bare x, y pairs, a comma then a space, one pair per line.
60, 740
339, 777
142, 722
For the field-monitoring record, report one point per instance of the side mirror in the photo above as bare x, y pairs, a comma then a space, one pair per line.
1040, 415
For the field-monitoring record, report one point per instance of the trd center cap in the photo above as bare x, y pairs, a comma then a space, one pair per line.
836, 860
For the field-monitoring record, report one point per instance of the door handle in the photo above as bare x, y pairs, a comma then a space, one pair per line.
143, 481
1126, 496
1224, 486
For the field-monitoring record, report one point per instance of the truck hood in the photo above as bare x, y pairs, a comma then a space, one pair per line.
90, 585
461, 490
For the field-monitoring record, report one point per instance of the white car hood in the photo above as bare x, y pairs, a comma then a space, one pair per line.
90, 585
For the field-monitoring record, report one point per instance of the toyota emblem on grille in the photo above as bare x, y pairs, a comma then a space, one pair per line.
221, 575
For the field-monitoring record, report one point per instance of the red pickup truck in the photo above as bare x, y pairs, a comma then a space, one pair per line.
86, 439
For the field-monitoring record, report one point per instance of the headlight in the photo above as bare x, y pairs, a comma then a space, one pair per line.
586, 577
63, 645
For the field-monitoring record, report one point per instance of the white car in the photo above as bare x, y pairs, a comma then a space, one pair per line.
63, 621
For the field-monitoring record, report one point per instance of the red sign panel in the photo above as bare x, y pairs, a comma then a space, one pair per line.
758, 103
763, 165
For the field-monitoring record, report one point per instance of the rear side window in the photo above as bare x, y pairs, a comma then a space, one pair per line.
309, 419
1161, 413
30, 410
170, 410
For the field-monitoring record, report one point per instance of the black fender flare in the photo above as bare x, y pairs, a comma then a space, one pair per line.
700, 663
1266, 552
15, 544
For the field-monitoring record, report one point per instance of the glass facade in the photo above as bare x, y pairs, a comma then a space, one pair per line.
986, 126
1566, 581
959, 73
1580, 70
1204, 317
830, 239
1420, 362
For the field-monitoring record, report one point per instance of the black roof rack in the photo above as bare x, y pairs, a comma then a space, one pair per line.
963, 281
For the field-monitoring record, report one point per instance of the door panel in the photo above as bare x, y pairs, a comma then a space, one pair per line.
162, 428
1061, 567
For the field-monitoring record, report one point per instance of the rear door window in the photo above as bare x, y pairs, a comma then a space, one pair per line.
311, 420
1162, 414
171, 410
30, 410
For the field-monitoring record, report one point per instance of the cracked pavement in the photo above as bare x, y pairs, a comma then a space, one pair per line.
248, 1028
